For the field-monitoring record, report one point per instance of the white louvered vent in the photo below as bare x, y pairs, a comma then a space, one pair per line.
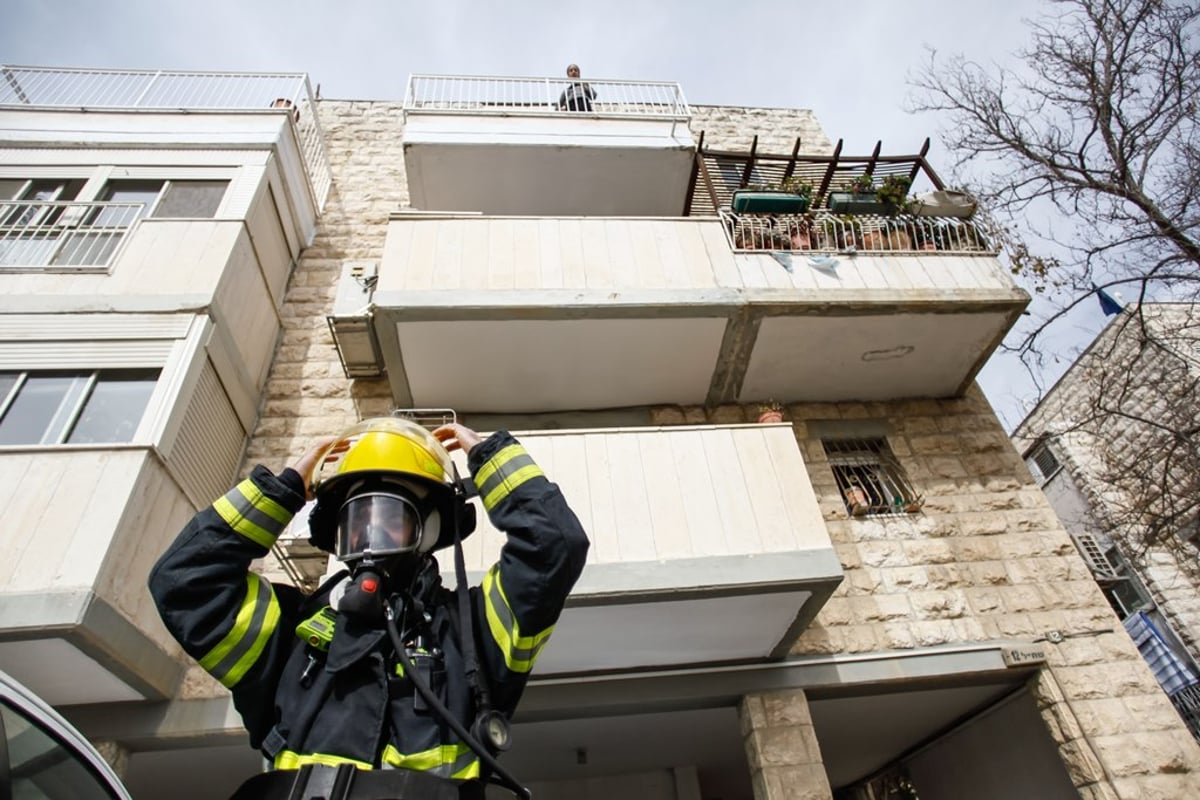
1093, 554
68, 327
208, 448
1042, 462
84, 355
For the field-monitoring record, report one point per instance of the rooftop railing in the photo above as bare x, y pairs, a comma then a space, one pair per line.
471, 94
63, 234
163, 90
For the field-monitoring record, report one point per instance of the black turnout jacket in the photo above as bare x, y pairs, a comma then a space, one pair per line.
346, 699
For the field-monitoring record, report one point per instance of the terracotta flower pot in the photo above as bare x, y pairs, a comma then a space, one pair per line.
765, 417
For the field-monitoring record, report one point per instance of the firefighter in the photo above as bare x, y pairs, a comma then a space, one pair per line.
378, 668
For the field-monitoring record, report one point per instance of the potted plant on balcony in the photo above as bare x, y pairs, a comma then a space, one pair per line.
769, 412
858, 196
893, 193
790, 196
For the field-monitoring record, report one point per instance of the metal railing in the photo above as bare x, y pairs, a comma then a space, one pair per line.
869, 477
1187, 703
472, 94
63, 234
825, 232
163, 90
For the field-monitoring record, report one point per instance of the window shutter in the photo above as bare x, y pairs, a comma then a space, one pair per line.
208, 448
1093, 554
1045, 461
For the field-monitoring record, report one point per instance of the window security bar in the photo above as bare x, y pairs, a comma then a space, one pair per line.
825, 232
427, 417
1187, 703
869, 478
63, 234
514, 96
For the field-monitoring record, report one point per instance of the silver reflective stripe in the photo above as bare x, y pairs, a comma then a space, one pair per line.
503, 471
505, 616
249, 511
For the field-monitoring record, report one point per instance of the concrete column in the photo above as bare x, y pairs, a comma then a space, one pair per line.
781, 746
116, 755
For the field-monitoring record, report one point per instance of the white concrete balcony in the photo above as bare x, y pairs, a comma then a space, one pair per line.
507, 145
707, 545
76, 622
569, 314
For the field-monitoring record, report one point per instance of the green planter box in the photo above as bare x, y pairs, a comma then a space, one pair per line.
858, 203
752, 202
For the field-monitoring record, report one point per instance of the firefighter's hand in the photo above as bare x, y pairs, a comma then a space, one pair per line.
306, 465
457, 437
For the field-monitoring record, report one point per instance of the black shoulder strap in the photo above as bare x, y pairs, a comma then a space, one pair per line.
476, 678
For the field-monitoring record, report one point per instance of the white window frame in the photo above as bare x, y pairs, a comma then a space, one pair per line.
66, 417
80, 343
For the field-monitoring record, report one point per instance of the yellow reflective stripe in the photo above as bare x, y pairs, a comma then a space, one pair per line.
256, 620
520, 652
497, 461
289, 760
504, 472
447, 761
252, 514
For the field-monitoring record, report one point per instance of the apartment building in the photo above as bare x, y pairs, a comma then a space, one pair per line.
870, 598
1142, 364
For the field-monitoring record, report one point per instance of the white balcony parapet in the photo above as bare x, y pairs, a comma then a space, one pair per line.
508, 96
826, 232
63, 234
174, 91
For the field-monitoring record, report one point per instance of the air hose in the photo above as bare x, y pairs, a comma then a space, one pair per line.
505, 777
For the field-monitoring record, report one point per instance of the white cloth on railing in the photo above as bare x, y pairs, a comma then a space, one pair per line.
1172, 672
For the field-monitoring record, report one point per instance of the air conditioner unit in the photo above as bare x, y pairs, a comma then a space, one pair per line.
352, 321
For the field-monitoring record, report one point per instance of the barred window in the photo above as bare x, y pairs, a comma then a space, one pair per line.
869, 477
1042, 462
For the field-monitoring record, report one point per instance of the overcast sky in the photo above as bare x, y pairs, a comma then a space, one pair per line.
846, 61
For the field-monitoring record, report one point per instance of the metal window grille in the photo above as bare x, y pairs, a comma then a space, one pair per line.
1094, 556
427, 417
1043, 460
1187, 703
869, 477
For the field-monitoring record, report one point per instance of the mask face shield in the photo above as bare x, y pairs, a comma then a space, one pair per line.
378, 523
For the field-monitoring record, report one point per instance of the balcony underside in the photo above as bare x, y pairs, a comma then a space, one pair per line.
558, 165
612, 350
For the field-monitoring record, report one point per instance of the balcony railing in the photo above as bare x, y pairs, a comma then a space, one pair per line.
164, 90
825, 232
470, 94
63, 234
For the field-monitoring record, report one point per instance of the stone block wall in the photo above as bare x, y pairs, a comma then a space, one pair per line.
986, 559
734, 128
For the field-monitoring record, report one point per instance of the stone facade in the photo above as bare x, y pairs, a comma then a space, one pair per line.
1092, 447
985, 559
734, 128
